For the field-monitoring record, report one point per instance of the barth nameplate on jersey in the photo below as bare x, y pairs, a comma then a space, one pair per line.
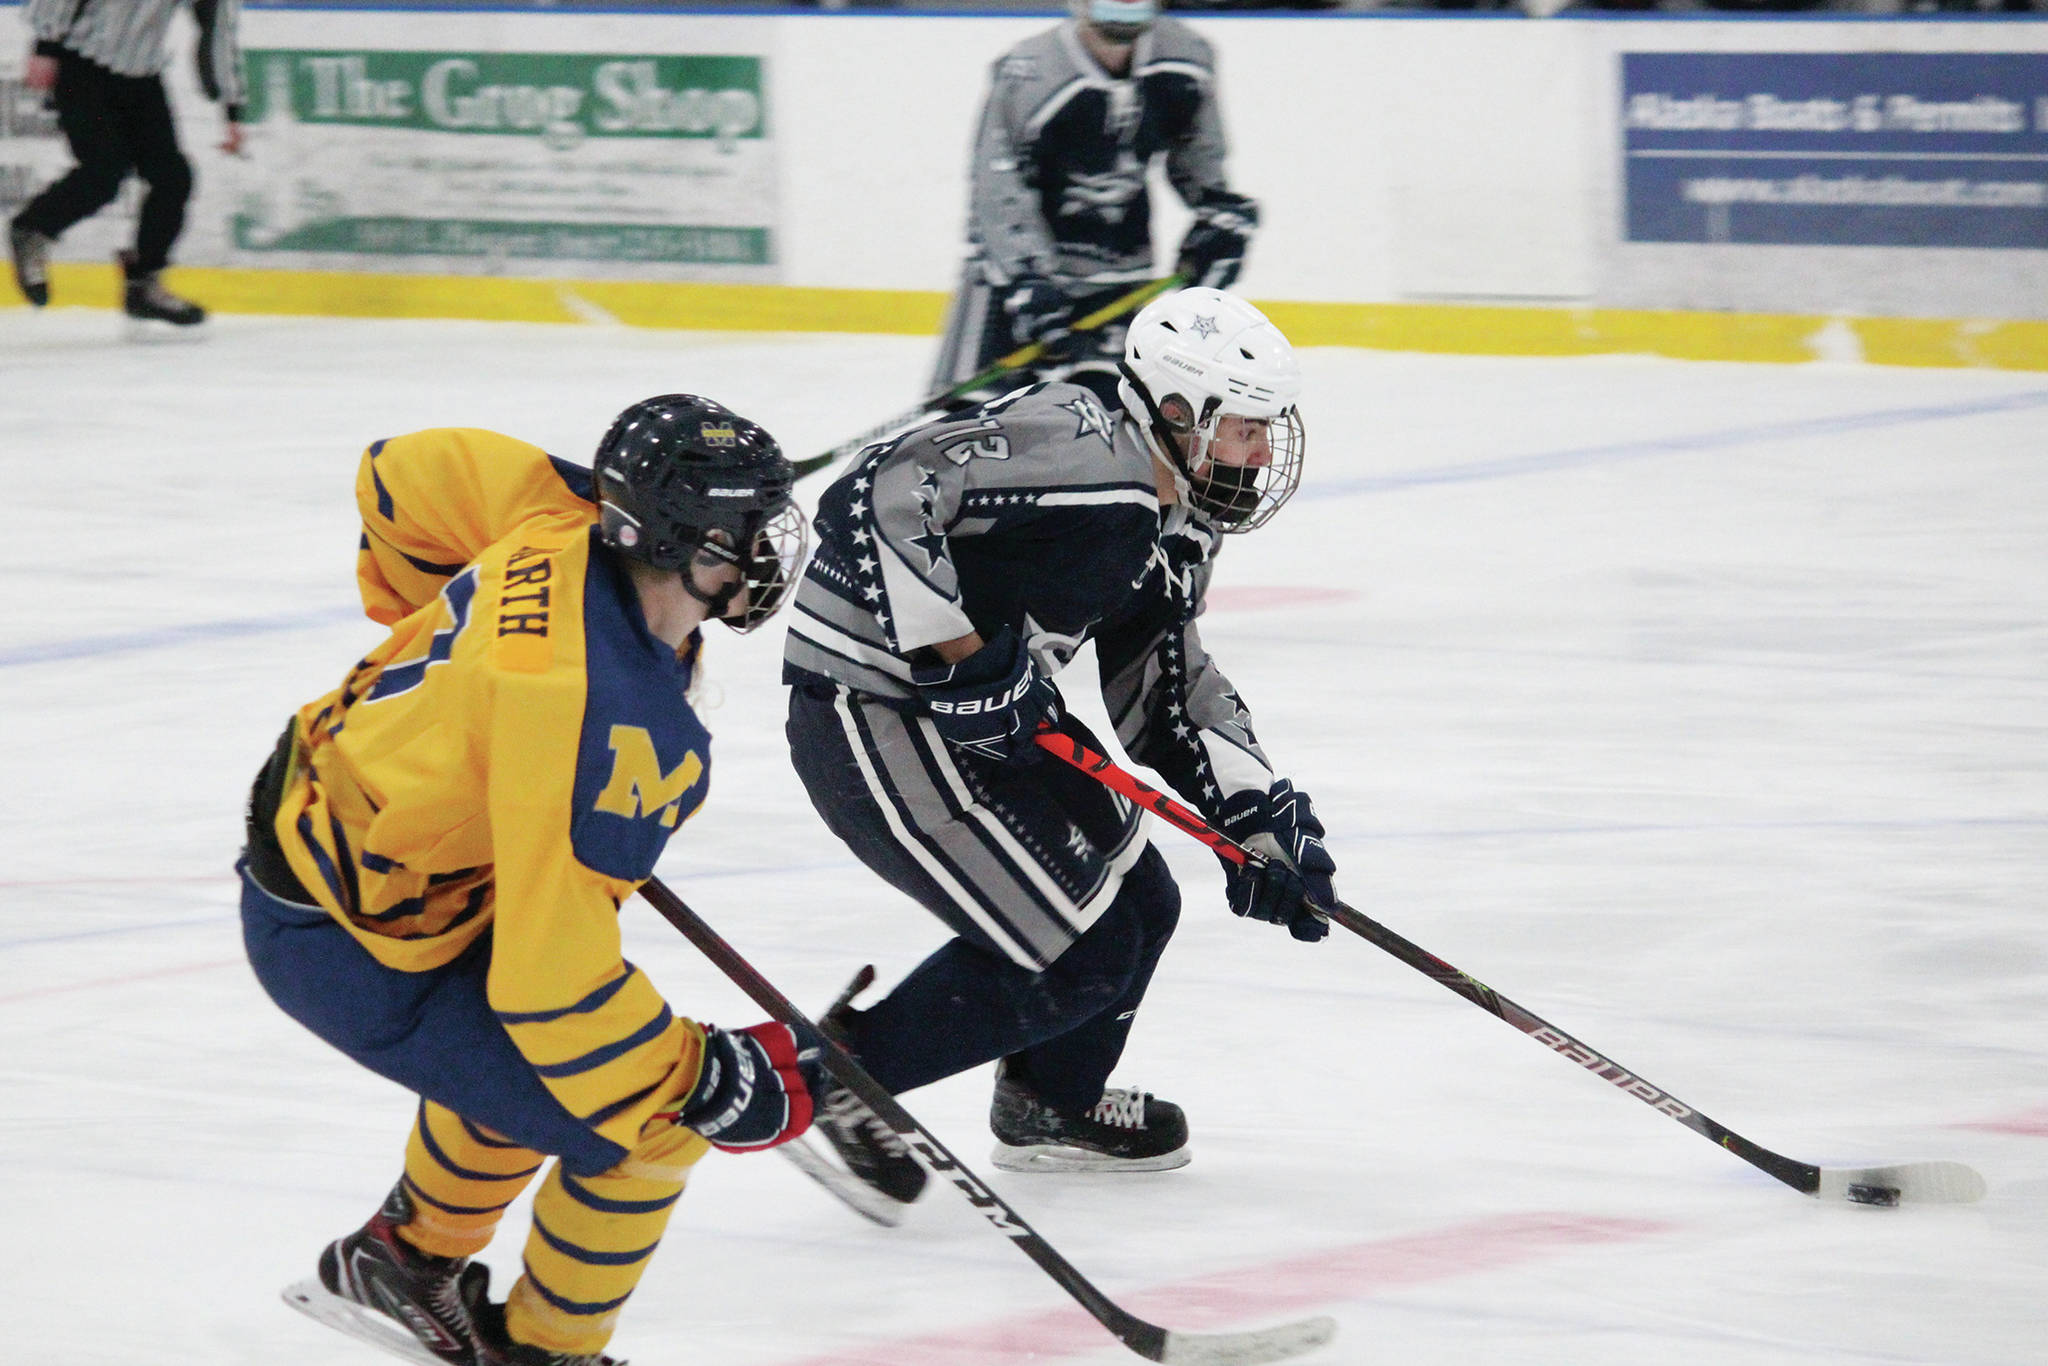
525, 608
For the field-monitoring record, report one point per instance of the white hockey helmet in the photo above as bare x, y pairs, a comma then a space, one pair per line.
1193, 358
1120, 21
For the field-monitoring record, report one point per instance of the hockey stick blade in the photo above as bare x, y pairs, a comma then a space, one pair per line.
1916, 1182
1148, 1340
360, 1322
1246, 1349
1909, 1183
856, 1194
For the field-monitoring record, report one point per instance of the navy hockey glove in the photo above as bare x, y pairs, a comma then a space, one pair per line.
991, 703
1039, 311
1282, 825
754, 1089
1212, 253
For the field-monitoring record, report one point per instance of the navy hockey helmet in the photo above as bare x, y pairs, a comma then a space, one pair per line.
680, 477
1119, 21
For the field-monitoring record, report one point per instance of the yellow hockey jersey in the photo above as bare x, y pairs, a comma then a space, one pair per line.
511, 759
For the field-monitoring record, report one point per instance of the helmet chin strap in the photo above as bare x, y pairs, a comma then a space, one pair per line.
717, 605
1159, 437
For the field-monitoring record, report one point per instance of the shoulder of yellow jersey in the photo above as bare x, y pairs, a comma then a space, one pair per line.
433, 501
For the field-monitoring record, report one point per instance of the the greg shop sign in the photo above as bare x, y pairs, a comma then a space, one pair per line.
559, 96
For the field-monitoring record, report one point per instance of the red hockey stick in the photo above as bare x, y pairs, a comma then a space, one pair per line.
1919, 1182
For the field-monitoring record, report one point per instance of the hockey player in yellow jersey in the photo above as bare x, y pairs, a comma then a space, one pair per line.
438, 849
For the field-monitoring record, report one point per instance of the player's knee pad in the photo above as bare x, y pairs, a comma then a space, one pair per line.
1153, 898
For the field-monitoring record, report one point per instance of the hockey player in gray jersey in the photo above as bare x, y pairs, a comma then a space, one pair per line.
1059, 219
959, 568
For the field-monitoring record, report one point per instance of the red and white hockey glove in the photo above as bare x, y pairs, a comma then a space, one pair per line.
1282, 825
754, 1090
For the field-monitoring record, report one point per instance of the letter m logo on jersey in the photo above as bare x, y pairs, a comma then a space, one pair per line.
638, 786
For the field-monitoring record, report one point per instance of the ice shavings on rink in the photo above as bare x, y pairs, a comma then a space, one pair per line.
1701, 708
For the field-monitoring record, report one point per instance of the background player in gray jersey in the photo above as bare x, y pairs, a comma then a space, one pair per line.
1059, 219
102, 62
959, 567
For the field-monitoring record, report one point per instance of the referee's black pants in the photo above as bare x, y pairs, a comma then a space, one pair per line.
117, 125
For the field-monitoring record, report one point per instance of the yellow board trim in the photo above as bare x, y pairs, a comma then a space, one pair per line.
1986, 343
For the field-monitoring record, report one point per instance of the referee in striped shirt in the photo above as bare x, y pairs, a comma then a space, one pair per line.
102, 63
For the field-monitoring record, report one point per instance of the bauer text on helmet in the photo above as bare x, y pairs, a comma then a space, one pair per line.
682, 479
1215, 386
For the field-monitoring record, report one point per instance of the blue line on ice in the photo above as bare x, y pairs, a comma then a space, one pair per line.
1507, 467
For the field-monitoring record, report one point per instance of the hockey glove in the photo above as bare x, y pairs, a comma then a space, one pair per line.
991, 703
1282, 825
1212, 253
1039, 311
754, 1089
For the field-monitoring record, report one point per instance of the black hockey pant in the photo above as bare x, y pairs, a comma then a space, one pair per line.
117, 125
1021, 981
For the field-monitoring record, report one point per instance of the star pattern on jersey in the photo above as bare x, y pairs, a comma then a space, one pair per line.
985, 499
1173, 665
1077, 842
862, 574
933, 541
1092, 418
1204, 325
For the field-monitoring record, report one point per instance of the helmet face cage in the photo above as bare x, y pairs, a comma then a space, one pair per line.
1245, 497
680, 476
774, 559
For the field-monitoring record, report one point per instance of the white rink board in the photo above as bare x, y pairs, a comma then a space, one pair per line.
1397, 159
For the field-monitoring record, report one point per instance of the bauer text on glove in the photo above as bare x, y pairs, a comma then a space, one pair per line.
992, 702
754, 1089
1281, 825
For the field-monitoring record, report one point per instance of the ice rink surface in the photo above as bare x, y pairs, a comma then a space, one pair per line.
1701, 709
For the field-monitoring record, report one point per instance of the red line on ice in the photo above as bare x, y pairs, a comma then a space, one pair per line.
119, 981
2031, 1123
1245, 1297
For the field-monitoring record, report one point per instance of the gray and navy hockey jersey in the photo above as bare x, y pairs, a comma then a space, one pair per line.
1058, 178
1037, 512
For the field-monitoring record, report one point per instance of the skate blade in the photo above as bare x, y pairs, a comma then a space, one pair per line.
855, 1193
155, 332
320, 1304
1056, 1157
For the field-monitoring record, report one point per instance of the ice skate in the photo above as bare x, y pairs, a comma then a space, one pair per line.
380, 1289
30, 252
144, 298
1128, 1130
870, 1149
494, 1347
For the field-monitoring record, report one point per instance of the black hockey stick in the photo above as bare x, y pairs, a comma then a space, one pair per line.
1919, 1182
1015, 360
1148, 1340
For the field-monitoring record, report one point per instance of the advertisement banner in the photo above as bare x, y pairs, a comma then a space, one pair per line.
1945, 149
488, 161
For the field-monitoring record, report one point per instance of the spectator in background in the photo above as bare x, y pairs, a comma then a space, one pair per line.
1059, 218
102, 62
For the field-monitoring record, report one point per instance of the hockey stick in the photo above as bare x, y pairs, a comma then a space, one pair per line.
1148, 1340
1015, 360
1918, 1182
